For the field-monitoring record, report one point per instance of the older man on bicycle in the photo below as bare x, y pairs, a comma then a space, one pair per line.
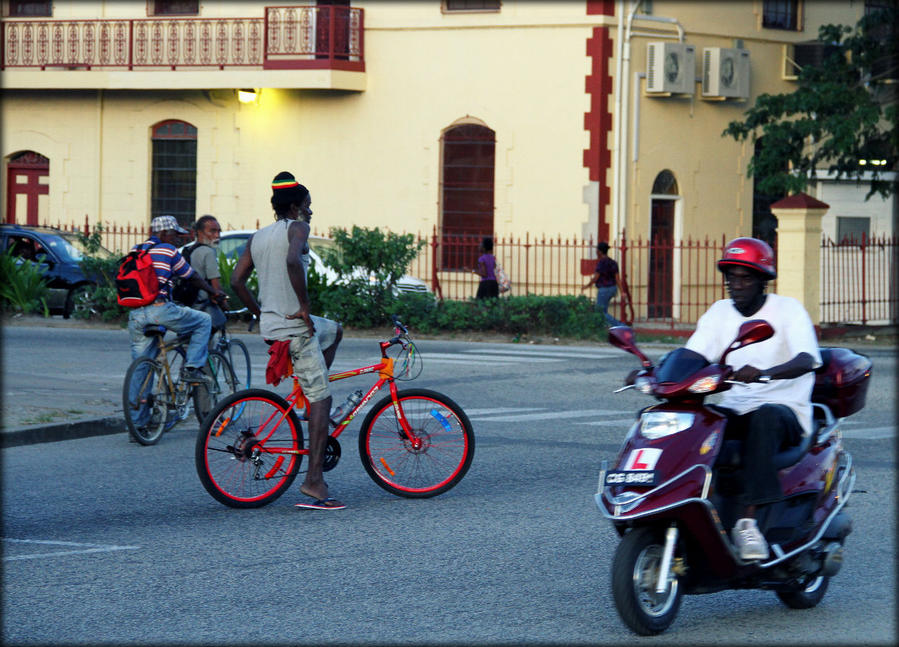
168, 263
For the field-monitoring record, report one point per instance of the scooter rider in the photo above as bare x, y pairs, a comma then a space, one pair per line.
766, 416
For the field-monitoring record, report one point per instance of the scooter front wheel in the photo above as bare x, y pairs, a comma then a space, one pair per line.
635, 574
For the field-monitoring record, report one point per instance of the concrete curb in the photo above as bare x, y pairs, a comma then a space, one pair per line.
32, 434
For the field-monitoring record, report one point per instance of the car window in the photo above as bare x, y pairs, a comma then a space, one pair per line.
233, 245
63, 249
75, 241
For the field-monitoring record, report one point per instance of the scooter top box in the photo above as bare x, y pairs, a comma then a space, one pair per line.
841, 382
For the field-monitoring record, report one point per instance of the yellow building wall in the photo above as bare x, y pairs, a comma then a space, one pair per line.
372, 157
683, 134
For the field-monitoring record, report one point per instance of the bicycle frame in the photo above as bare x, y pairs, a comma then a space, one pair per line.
297, 400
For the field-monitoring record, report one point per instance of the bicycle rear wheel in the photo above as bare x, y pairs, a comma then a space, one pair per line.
145, 402
434, 460
237, 353
222, 382
246, 453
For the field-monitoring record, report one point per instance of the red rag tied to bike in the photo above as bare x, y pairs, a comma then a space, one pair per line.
279, 363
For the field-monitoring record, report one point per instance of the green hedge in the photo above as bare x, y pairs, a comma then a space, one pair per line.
531, 315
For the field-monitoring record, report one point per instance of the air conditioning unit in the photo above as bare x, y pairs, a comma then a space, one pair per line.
725, 73
670, 68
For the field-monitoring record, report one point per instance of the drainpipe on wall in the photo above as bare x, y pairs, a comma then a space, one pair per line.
622, 109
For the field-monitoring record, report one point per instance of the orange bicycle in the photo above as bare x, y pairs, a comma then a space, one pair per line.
414, 443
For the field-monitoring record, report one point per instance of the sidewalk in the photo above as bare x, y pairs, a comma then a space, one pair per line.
92, 406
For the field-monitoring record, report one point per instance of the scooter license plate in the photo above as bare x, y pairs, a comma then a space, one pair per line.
643, 478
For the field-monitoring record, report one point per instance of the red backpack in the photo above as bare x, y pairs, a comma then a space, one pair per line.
136, 283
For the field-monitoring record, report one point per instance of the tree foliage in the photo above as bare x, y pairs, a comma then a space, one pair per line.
843, 111
368, 263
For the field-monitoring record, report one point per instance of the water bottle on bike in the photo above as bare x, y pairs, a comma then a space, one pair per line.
341, 412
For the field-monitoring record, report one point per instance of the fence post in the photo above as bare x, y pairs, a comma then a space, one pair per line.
799, 250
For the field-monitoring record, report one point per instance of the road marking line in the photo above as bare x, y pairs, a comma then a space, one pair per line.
549, 415
85, 548
563, 354
870, 433
468, 357
487, 412
614, 421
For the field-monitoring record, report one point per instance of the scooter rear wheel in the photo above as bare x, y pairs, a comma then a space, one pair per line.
635, 572
808, 597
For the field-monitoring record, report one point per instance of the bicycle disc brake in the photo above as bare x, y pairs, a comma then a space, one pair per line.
332, 454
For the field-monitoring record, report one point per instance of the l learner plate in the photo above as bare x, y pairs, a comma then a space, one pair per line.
623, 477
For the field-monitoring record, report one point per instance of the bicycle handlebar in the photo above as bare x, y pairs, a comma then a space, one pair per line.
240, 312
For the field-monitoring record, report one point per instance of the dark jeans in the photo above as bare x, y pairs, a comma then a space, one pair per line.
764, 432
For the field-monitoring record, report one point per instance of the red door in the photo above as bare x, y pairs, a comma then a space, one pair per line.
661, 257
23, 181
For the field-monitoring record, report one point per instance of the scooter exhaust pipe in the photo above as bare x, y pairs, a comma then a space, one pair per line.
832, 560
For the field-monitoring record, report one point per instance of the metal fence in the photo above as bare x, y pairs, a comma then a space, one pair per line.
859, 279
666, 284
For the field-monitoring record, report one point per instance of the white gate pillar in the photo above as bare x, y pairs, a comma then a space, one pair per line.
799, 250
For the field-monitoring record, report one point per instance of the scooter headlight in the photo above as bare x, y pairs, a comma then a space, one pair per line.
656, 424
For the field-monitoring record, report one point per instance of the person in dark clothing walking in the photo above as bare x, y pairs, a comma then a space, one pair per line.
606, 280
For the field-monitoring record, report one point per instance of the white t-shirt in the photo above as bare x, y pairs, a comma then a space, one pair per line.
793, 334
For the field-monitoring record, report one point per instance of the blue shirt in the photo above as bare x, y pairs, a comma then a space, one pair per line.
167, 262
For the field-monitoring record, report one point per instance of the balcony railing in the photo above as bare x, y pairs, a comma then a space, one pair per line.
289, 37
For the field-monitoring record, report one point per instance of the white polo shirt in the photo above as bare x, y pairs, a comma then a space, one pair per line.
793, 334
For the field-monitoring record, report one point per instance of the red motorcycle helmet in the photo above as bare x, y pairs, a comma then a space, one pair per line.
751, 253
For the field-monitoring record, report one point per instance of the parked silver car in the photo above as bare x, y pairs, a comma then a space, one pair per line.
232, 244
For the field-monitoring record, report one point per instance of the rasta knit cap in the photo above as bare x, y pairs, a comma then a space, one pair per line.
286, 189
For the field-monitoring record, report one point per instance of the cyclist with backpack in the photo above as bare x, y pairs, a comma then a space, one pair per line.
203, 258
167, 264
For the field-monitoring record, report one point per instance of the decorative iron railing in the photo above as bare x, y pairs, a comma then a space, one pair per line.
290, 37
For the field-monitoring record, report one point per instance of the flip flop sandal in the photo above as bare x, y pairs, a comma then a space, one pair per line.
322, 504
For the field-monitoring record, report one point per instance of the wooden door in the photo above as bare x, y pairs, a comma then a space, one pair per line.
27, 179
661, 260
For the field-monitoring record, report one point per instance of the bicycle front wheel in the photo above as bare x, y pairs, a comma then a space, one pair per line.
247, 451
239, 356
145, 402
220, 382
431, 461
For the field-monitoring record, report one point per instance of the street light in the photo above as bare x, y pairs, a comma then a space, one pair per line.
247, 96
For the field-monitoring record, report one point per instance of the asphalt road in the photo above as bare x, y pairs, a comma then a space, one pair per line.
106, 541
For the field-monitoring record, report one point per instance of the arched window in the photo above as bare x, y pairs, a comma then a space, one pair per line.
664, 184
174, 180
469, 153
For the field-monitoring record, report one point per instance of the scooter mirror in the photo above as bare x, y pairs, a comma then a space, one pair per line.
751, 332
623, 337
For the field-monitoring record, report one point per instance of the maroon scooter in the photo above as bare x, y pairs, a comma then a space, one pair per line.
673, 494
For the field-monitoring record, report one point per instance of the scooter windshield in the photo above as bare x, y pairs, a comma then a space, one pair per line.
679, 364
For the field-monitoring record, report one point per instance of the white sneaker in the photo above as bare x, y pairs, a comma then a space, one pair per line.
749, 541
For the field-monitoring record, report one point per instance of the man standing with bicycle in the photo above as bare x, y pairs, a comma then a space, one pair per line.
168, 263
276, 252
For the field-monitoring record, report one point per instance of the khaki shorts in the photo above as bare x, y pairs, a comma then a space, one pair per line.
309, 366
